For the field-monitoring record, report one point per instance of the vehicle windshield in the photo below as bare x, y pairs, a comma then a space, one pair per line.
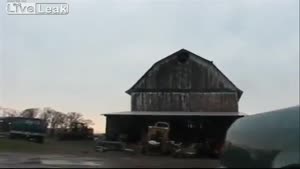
149, 83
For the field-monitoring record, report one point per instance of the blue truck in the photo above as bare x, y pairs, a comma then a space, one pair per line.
20, 127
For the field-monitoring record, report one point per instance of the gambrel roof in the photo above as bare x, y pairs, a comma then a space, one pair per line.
184, 71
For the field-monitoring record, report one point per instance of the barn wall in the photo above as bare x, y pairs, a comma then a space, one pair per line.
179, 101
213, 102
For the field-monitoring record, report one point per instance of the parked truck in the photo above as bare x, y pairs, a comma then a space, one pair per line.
157, 140
29, 128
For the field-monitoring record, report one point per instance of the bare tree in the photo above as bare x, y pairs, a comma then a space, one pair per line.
30, 113
58, 119
87, 122
6, 112
55, 119
47, 115
73, 117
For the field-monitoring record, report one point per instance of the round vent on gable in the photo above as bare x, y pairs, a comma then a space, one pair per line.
183, 57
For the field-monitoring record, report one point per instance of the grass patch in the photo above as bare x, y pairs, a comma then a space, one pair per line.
50, 146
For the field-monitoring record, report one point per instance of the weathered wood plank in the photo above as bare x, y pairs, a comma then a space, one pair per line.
191, 101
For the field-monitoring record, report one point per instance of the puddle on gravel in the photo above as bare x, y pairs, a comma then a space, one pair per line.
67, 162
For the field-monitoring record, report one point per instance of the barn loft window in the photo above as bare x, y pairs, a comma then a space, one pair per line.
183, 57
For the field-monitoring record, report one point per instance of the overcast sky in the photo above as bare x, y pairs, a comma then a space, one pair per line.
85, 61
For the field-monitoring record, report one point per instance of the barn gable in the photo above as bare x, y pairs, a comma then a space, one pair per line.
184, 71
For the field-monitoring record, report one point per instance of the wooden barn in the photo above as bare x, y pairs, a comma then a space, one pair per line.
185, 90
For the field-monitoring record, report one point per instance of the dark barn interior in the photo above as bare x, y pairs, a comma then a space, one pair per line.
185, 90
186, 129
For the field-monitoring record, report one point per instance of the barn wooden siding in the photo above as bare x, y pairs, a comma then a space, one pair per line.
189, 102
194, 84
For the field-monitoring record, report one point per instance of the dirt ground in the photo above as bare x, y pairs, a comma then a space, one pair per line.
52, 146
24, 154
107, 160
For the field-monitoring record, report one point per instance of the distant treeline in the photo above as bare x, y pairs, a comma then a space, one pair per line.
54, 119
